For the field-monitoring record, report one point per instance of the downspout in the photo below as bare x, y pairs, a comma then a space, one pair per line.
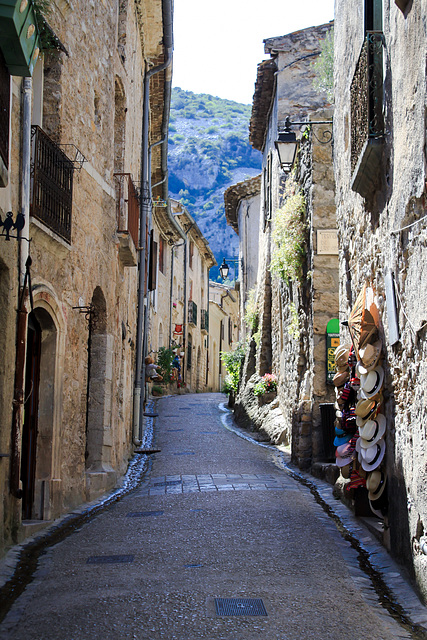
21, 331
144, 215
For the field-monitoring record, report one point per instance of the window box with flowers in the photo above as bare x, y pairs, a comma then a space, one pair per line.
266, 388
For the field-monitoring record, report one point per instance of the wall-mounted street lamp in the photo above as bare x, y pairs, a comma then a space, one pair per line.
287, 142
224, 268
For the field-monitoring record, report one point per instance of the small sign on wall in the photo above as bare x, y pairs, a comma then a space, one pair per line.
332, 342
327, 242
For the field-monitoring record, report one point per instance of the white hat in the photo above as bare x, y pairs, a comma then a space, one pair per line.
372, 457
371, 382
372, 431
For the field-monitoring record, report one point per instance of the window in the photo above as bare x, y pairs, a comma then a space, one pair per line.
162, 254
191, 255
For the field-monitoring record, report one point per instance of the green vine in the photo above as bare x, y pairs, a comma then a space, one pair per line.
324, 67
251, 311
288, 253
294, 328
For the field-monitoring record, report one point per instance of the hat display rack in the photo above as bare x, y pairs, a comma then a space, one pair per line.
360, 423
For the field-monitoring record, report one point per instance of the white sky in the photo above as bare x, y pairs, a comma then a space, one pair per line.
218, 44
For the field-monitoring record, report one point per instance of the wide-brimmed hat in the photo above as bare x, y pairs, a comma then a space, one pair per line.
372, 457
341, 355
340, 440
341, 378
375, 484
345, 453
372, 431
369, 355
366, 409
371, 382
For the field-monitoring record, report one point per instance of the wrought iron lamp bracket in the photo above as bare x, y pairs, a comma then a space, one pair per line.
89, 312
327, 135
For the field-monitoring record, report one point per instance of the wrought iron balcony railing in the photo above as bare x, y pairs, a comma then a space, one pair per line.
367, 120
192, 313
127, 206
204, 320
4, 112
52, 184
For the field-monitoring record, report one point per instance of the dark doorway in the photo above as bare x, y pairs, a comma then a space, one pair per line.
31, 408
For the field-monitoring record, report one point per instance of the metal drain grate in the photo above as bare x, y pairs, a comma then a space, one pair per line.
240, 607
108, 559
143, 514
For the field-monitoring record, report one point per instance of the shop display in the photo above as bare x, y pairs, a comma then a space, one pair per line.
360, 424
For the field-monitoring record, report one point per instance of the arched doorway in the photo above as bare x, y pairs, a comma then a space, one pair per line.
37, 431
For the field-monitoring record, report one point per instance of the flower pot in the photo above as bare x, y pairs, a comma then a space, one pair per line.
266, 398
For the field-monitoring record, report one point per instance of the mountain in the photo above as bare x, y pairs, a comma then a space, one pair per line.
209, 151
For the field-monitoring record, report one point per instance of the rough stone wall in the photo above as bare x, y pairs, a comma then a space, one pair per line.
293, 316
92, 98
372, 245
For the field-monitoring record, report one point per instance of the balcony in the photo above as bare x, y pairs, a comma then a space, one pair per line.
4, 122
367, 120
52, 173
127, 210
204, 320
192, 313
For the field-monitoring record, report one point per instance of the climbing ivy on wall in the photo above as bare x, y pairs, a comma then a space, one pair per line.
288, 234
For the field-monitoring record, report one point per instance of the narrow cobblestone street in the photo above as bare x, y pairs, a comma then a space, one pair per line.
219, 542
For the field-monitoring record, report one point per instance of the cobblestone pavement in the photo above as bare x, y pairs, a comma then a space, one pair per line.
219, 542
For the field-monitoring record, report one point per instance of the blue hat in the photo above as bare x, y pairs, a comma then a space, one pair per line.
342, 440
340, 432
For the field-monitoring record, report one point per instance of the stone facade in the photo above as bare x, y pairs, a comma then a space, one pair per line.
290, 340
180, 308
380, 198
242, 210
78, 329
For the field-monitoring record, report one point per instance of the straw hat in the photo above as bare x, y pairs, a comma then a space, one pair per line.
372, 431
375, 484
369, 355
371, 382
341, 355
372, 457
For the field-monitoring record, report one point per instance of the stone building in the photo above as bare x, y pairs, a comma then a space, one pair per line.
380, 173
289, 336
71, 148
180, 314
224, 331
242, 211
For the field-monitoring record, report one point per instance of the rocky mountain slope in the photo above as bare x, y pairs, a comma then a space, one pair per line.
209, 151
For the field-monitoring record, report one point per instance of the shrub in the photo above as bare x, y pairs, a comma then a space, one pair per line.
232, 361
164, 360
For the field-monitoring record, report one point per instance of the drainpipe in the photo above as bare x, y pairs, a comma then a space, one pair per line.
21, 330
144, 216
